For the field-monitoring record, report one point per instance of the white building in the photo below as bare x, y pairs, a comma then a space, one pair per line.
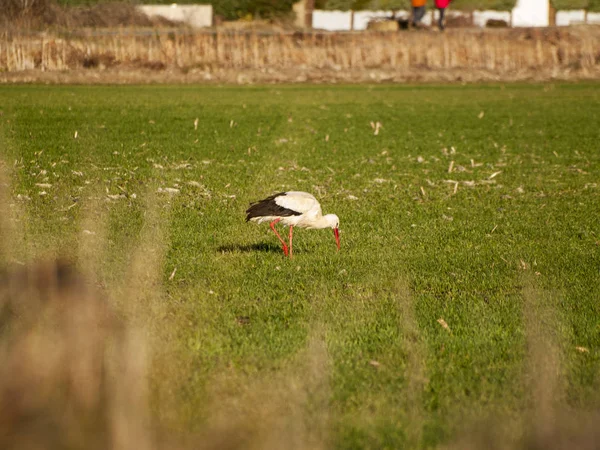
526, 13
531, 13
197, 16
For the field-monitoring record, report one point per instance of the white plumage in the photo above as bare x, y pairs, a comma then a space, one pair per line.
293, 208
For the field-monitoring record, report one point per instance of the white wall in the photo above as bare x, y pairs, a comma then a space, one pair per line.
197, 16
331, 20
576, 17
527, 13
570, 17
340, 20
531, 13
362, 18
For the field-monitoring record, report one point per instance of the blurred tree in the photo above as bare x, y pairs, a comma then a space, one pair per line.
270, 8
13, 9
234, 9
563, 5
346, 5
228, 9
482, 5
588, 5
389, 5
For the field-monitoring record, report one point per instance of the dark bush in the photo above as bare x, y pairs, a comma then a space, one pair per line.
265, 9
496, 23
14, 9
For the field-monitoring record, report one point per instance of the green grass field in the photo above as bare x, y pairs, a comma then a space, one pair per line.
465, 300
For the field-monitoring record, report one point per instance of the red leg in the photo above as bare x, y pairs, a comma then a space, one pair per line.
272, 225
291, 232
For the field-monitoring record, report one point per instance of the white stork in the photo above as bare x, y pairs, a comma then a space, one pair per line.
295, 209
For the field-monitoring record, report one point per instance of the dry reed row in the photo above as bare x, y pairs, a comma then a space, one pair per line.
501, 51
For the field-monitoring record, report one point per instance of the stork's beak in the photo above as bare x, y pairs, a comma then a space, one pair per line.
336, 232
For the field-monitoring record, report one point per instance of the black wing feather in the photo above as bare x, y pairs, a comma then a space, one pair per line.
268, 207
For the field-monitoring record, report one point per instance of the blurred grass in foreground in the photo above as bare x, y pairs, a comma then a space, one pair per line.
465, 293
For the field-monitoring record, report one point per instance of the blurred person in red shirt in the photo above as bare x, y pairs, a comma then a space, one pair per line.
441, 5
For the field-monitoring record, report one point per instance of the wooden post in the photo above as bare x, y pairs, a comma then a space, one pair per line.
309, 7
351, 20
551, 15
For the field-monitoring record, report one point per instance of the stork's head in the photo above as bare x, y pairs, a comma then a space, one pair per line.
334, 222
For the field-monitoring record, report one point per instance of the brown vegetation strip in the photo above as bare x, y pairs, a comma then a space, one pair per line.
13, 223
7, 228
546, 420
543, 370
415, 370
74, 372
271, 410
500, 54
92, 236
550, 422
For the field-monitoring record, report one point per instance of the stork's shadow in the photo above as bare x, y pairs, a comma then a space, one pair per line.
258, 247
